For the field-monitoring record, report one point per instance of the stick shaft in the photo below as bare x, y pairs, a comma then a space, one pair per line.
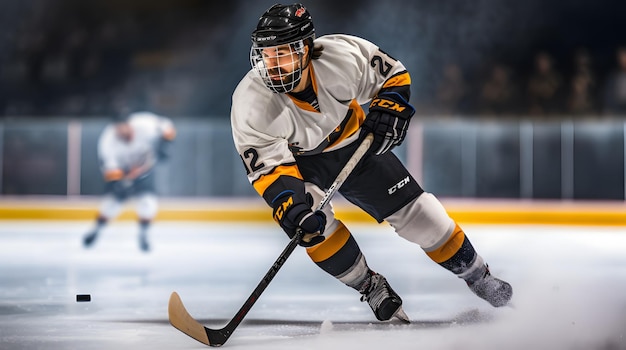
293, 243
180, 318
346, 171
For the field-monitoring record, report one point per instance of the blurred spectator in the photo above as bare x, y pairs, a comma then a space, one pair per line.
498, 94
581, 96
544, 86
583, 67
69, 57
615, 90
580, 99
452, 92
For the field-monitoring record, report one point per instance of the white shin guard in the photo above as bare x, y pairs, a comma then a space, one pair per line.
110, 207
423, 221
147, 206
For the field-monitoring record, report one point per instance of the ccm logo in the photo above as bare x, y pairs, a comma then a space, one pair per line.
399, 185
280, 211
387, 104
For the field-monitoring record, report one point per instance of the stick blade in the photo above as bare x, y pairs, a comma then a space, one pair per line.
182, 320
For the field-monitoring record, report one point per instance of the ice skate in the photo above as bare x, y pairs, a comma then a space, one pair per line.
493, 290
90, 238
382, 299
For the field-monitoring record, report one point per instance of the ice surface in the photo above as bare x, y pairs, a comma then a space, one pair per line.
569, 289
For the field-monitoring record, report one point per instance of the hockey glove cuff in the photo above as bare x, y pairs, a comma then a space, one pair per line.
293, 211
388, 119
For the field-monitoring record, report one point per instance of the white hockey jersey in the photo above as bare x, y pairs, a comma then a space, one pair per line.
119, 157
269, 128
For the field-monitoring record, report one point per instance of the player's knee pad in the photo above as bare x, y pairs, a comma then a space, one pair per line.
423, 221
147, 206
110, 207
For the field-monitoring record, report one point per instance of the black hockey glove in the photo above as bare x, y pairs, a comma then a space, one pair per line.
388, 119
293, 210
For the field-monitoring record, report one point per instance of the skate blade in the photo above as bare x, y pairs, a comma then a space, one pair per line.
401, 315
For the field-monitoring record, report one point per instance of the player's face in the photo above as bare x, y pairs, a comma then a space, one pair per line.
281, 67
281, 62
124, 132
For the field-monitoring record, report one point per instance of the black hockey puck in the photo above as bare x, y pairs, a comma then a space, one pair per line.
83, 297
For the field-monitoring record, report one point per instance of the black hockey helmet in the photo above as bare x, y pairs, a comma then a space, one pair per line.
279, 45
283, 24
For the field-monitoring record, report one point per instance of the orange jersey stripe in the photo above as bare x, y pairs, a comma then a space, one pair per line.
398, 80
331, 245
448, 249
262, 183
353, 125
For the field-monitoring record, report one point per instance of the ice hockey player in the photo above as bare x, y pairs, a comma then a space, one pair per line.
297, 118
128, 150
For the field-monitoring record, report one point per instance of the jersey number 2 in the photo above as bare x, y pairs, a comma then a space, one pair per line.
383, 66
250, 160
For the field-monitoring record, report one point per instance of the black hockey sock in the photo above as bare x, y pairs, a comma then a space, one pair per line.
100, 222
462, 259
143, 227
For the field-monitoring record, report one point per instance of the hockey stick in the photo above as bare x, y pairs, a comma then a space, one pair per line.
183, 321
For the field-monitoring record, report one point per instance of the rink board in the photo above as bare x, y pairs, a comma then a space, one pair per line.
600, 213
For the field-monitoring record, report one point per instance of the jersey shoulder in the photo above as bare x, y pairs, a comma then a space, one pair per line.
253, 102
343, 65
252, 89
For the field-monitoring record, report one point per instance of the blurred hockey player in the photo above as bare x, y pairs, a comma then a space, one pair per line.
129, 150
297, 118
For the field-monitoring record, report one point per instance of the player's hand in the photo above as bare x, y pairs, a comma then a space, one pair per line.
293, 211
388, 119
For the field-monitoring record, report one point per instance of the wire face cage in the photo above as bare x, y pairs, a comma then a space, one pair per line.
280, 66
